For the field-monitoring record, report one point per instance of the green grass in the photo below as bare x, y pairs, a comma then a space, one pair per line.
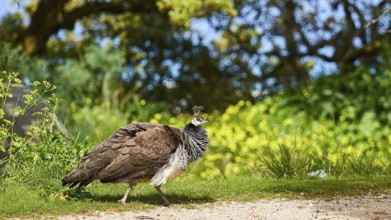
20, 200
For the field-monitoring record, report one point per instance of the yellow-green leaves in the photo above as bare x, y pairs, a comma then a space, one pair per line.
181, 11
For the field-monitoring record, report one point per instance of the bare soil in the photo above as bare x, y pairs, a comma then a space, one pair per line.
370, 206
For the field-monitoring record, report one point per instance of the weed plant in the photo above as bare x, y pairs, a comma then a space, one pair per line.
41, 157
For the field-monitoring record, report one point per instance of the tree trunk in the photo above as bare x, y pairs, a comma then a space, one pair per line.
45, 21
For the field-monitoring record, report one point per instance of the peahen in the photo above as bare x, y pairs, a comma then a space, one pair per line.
142, 152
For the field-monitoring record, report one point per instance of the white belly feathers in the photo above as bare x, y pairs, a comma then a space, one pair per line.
176, 166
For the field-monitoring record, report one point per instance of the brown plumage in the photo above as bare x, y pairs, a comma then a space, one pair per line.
142, 152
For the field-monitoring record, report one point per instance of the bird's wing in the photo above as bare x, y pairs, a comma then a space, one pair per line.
137, 150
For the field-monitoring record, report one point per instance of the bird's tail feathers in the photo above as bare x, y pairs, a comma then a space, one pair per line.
77, 177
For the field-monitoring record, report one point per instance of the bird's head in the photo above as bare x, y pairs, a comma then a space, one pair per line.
198, 120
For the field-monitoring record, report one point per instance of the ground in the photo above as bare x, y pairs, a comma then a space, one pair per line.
364, 207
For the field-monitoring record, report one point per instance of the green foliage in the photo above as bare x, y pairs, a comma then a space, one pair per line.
345, 97
42, 156
98, 76
339, 124
98, 121
290, 161
127, 53
154, 53
11, 26
182, 11
16, 60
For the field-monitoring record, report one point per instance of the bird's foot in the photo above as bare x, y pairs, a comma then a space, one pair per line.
122, 201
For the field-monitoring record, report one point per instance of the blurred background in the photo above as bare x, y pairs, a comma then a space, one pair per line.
308, 79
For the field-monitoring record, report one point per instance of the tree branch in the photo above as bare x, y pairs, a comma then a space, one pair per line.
51, 16
135, 6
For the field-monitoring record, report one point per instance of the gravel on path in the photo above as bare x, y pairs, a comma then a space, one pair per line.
374, 207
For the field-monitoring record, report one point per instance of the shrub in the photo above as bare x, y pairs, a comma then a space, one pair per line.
42, 156
283, 142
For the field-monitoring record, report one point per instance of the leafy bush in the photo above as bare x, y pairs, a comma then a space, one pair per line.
340, 124
42, 156
16, 60
348, 97
284, 143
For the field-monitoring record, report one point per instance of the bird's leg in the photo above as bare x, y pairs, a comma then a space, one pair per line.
166, 202
123, 200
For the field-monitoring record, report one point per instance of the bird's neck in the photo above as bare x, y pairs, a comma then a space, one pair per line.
197, 141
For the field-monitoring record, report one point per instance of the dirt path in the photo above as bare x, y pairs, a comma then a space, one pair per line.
364, 207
